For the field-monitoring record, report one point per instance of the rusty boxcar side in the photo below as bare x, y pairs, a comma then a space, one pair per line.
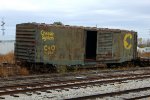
71, 45
60, 45
116, 46
25, 42
49, 44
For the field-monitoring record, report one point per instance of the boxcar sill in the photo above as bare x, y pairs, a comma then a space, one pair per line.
90, 60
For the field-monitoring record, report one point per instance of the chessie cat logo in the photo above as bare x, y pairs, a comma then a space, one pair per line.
127, 41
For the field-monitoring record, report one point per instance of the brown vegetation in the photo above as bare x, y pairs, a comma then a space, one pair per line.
8, 58
145, 54
23, 71
8, 67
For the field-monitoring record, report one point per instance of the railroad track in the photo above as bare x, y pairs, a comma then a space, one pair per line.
48, 76
59, 86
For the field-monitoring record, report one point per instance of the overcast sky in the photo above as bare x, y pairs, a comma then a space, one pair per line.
122, 14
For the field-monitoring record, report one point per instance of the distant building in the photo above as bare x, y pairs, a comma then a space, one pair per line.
147, 49
143, 50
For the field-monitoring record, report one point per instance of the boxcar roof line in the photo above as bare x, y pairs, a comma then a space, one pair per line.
78, 27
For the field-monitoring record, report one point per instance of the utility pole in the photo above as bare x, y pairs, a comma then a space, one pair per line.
2, 25
96, 25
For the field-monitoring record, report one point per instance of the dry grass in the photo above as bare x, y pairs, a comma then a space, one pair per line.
13, 71
3, 72
7, 71
144, 54
9, 58
62, 69
23, 71
8, 67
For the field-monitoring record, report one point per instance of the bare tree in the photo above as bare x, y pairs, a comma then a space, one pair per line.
143, 42
58, 23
